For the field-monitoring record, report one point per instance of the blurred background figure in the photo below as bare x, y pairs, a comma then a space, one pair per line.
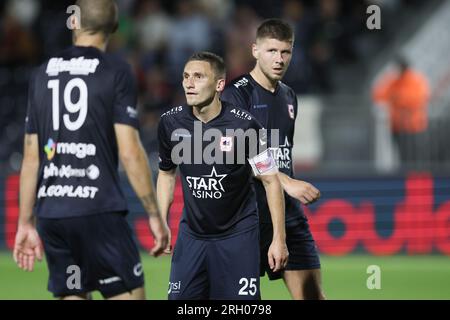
406, 93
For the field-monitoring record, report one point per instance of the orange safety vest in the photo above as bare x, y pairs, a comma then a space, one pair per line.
407, 96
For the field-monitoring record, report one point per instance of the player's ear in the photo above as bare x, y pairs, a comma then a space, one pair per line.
220, 84
255, 50
75, 23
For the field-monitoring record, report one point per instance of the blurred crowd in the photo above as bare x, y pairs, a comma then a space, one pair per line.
156, 37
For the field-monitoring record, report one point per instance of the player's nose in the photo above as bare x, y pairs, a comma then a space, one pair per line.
279, 58
189, 82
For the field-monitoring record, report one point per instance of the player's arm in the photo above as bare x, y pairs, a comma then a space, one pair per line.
27, 245
278, 252
265, 169
165, 187
135, 162
298, 189
167, 173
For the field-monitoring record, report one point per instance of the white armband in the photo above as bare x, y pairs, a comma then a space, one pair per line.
263, 163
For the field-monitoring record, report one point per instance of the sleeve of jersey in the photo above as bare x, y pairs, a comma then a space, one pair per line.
234, 97
165, 150
295, 104
260, 157
295, 112
125, 102
30, 119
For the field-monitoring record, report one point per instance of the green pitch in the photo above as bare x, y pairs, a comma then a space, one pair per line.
402, 277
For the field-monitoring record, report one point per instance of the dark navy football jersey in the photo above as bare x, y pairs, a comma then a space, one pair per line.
75, 98
217, 194
274, 110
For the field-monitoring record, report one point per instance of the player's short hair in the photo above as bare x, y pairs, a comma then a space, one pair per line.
216, 62
98, 16
275, 29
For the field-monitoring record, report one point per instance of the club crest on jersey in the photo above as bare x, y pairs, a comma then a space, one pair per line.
226, 144
291, 111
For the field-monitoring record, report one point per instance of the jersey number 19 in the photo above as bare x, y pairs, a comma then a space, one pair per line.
80, 106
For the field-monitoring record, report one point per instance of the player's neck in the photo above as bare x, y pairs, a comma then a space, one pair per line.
262, 80
208, 112
87, 40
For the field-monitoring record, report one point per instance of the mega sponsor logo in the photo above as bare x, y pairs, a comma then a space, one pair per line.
80, 150
50, 149
59, 191
207, 186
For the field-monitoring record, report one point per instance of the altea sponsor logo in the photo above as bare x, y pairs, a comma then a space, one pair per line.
241, 114
80, 150
241, 83
70, 191
172, 111
75, 66
282, 155
207, 186
66, 171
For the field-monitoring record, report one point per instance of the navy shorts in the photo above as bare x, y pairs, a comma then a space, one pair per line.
89, 253
302, 248
215, 268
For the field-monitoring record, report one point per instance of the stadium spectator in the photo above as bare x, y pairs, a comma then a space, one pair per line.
190, 32
406, 94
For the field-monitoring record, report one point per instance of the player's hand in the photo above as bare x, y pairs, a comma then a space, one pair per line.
160, 232
303, 191
278, 255
168, 249
27, 247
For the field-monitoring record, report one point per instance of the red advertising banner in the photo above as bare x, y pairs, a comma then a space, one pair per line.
380, 216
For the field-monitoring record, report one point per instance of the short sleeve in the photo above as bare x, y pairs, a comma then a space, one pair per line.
125, 98
165, 149
260, 156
